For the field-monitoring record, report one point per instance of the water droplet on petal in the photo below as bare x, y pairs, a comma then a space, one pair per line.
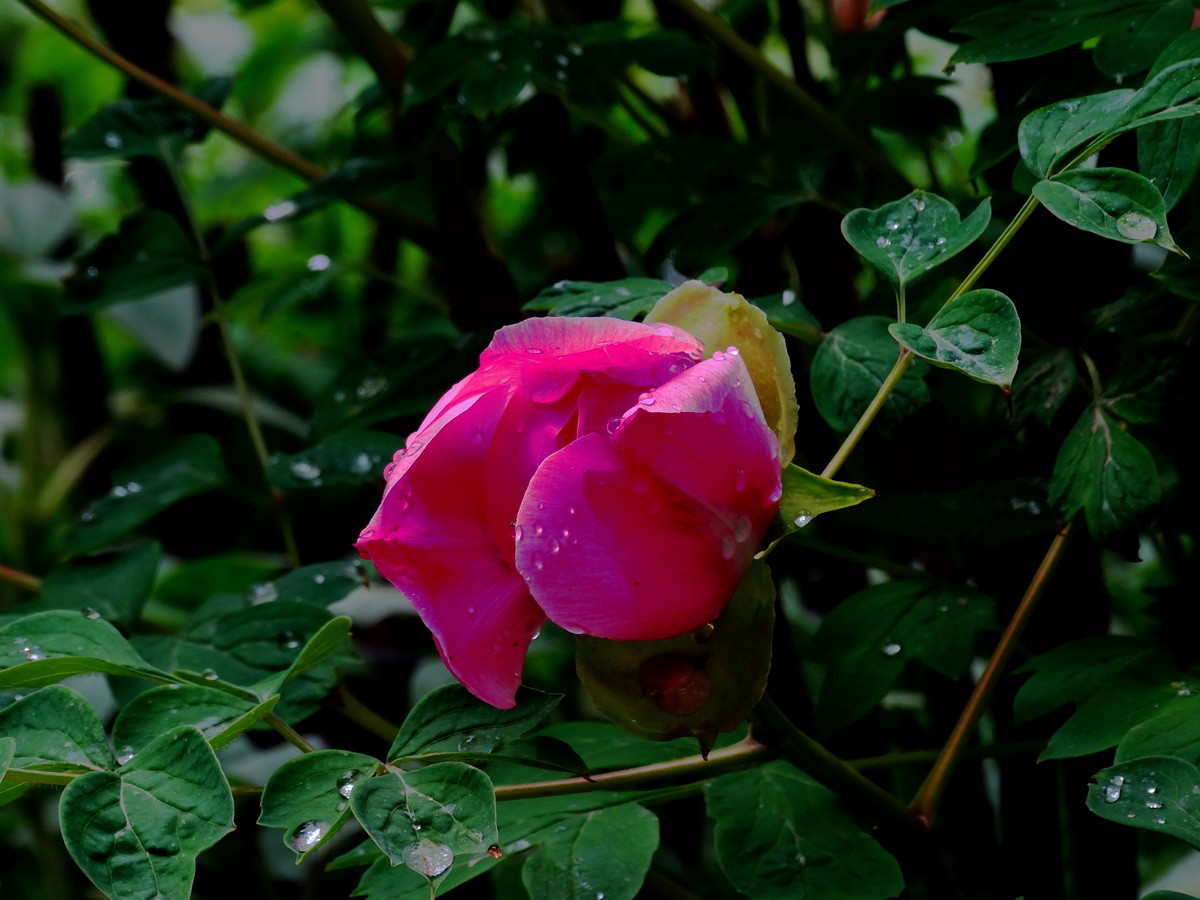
427, 857
308, 835
744, 530
646, 399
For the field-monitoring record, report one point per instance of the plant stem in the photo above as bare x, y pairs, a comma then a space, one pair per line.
23, 580
70, 470
429, 236
864, 422
360, 714
836, 774
924, 804
728, 759
1006, 236
389, 59
288, 733
723, 33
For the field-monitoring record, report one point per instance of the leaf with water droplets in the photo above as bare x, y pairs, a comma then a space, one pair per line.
1174, 731
604, 853
1043, 384
426, 819
700, 683
325, 643
807, 495
46, 647
449, 719
347, 458
176, 469
1107, 473
320, 584
851, 365
1158, 793
314, 787
869, 639
113, 585
1048, 134
908, 237
137, 832
626, 298
1113, 203
56, 728
782, 836
979, 334
217, 715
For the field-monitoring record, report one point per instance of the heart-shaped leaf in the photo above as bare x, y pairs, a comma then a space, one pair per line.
979, 334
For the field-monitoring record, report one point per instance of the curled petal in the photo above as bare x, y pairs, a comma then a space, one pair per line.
646, 534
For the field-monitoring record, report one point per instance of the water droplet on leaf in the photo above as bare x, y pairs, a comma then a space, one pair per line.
1136, 227
428, 858
308, 835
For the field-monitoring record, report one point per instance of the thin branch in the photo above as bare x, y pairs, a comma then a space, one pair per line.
388, 58
721, 32
429, 236
873, 409
288, 733
925, 803
23, 580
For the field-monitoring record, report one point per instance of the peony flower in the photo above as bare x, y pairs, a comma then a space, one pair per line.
594, 472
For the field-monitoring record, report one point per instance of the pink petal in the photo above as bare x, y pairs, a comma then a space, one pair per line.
646, 534
430, 537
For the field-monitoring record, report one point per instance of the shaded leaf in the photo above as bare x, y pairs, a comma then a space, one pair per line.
908, 237
1126, 51
56, 726
137, 833
1158, 793
346, 458
979, 334
806, 495
627, 298
114, 585
1113, 203
1169, 157
851, 365
46, 647
781, 836
1049, 134
788, 315
449, 719
218, 716
1043, 384
868, 640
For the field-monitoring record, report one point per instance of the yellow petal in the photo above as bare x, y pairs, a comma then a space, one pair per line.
726, 320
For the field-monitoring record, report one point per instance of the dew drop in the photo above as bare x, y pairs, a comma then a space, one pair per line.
125, 754
210, 675
882, 242
427, 857
732, 351
263, 593
789, 297
308, 835
646, 400
803, 519
1136, 227
891, 649
318, 263
90, 613
744, 530
305, 470
113, 141
1153, 804
517, 532
345, 784
288, 640
280, 210
917, 204
1112, 793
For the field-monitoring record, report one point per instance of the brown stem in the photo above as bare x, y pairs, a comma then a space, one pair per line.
23, 580
388, 58
925, 803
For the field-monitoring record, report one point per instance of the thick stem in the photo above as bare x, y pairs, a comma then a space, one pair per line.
925, 803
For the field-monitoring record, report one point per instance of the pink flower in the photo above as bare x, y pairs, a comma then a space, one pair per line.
594, 472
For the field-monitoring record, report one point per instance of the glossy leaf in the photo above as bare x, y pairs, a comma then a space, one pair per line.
1106, 473
325, 643
1169, 157
910, 236
850, 366
149, 255
1133, 49
137, 833
346, 458
781, 836
114, 586
1170, 93
56, 727
448, 719
1173, 732
869, 639
806, 495
698, 684
1157, 793
602, 853
320, 584
1113, 203
46, 647
627, 298
788, 315
1048, 135
979, 334
308, 796
185, 466
218, 716
1043, 384
428, 818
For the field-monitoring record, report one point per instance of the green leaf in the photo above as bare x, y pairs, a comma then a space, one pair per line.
1113, 203
871, 637
908, 237
114, 585
851, 365
449, 719
46, 647
806, 495
145, 127
979, 334
1043, 384
56, 726
1132, 49
1048, 134
697, 684
1105, 472
325, 643
1171, 93
167, 324
708, 230
627, 298
1028, 28
1173, 732
137, 833
781, 836
789, 316
603, 745
215, 714
308, 796
1158, 793
606, 853
1169, 157
346, 458
320, 584
150, 254
1167, 895
184, 466
428, 818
